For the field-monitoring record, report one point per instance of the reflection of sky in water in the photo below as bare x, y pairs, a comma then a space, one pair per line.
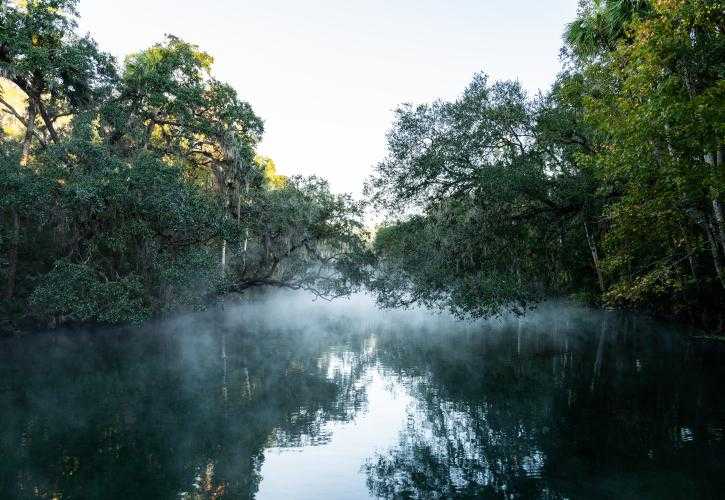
333, 470
291, 400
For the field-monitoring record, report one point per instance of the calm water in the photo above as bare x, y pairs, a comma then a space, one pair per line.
290, 400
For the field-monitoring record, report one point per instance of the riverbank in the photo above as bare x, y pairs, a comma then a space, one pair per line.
263, 297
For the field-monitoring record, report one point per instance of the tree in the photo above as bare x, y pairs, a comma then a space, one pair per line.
616, 173
601, 24
59, 72
185, 115
495, 181
133, 192
304, 237
656, 101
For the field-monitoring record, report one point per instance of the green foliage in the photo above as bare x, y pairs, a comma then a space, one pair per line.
185, 115
658, 105
302, 236
137, 191
495, 179
73, 292
601, 24
616, 174
59, 71
189, 278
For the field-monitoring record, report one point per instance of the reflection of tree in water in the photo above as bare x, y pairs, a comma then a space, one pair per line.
579, 408
155, 415
568, 407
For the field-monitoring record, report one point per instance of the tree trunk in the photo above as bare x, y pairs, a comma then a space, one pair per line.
48, 122
12, 256
34, 93
720, 221
595, 257
239, 206
246, 229
227, 203
713, 250
692, 270
29, 130
690, 252
715, 160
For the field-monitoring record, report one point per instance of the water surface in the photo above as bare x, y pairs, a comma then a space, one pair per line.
289, 399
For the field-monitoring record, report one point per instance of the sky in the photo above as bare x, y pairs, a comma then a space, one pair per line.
326, 75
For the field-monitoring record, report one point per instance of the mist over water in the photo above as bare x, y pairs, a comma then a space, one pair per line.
286, 397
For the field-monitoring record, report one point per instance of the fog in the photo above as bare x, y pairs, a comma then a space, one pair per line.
302, 313
284, 395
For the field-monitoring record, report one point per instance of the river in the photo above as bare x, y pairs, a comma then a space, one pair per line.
289, 399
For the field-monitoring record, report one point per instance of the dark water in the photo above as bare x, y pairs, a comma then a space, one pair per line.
294, 401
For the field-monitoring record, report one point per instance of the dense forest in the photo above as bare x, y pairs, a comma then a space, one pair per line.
133, 189
608, 187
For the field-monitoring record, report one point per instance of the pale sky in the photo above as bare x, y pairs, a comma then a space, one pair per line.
325, 75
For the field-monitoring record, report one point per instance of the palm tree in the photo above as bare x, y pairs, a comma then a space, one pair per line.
601, 24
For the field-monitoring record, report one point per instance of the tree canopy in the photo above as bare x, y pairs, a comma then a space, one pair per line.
608, 186
127, 190
132, 189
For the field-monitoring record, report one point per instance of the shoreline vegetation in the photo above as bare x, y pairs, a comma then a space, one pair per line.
132, 190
